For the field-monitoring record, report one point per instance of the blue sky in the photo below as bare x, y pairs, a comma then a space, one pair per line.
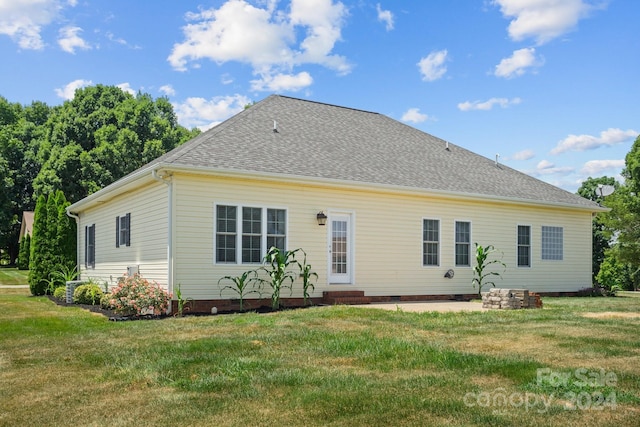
550, 85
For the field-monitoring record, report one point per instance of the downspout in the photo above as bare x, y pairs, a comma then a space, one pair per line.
77, 218
166, 179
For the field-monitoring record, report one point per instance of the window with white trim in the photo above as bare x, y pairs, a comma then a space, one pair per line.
463, 244
90, 246
226, 234
123, 230
244, 234
430, 242
552, 243
524, 246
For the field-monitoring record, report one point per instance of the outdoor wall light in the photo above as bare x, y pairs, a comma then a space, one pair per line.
322, 218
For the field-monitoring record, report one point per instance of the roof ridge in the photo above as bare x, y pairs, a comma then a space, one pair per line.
324, 103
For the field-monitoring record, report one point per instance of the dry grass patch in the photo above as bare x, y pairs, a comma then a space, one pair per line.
612, 315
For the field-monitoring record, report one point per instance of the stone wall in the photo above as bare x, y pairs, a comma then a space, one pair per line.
510, 299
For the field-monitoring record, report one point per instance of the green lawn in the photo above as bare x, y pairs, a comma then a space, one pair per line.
573, 363
13, 276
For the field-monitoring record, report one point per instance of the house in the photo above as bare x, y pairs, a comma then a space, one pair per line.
26, 227
403, 208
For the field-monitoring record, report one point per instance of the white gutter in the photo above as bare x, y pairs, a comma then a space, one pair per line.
77, 218
166, 179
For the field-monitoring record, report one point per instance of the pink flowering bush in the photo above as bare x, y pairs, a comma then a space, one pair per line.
135, 295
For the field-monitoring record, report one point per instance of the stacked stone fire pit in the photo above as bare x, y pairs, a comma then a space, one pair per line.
510, 299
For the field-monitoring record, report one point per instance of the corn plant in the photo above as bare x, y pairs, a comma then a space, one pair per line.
183, 303
483, 262
306, 274
242, 285
278, 269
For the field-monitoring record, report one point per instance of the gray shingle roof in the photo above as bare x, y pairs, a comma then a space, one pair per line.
324, 141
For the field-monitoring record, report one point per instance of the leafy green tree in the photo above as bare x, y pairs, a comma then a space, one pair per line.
39, 264
101, 135
616, 274
25, 252
623, 221
21, 134
66, 242
600, 232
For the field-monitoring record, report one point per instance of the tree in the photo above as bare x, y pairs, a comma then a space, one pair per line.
101, 135
66, 242
25, 253
616, 274
39, 265
600, 232
21, 134
54, 243
623, 221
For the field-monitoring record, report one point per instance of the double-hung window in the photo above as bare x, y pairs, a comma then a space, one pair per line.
524, 246
123, 230
226, 234
430, 242
463, 244
251, 235
244, 234
90, 246
552, 243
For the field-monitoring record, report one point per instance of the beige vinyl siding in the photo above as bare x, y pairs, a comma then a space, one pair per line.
388, 237
148, 249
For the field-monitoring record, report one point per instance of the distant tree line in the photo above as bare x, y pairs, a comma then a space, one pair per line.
86, 143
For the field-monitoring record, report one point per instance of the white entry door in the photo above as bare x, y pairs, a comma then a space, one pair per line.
340, 248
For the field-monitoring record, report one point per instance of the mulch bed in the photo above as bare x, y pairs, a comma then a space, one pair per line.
117, 317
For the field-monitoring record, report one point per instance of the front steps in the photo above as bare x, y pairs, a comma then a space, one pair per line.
345, 297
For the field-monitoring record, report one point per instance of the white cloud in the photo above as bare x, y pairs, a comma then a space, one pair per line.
23, 21
432, 66
69, 40
414, 115
488, 105
119, 40
545, 167
323, 21
126, 87
596, 167
204, 114
542, 20
523, 155
265, 38
167, 90
607, 137
281, 82
517, 64
69, 91
385, 16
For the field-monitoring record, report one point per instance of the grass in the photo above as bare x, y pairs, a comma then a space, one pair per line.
322, 366
10, 276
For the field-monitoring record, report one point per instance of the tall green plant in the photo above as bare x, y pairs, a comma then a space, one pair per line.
306, 274
280, 276
25, 253
39, 265
242, 285
480, 271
